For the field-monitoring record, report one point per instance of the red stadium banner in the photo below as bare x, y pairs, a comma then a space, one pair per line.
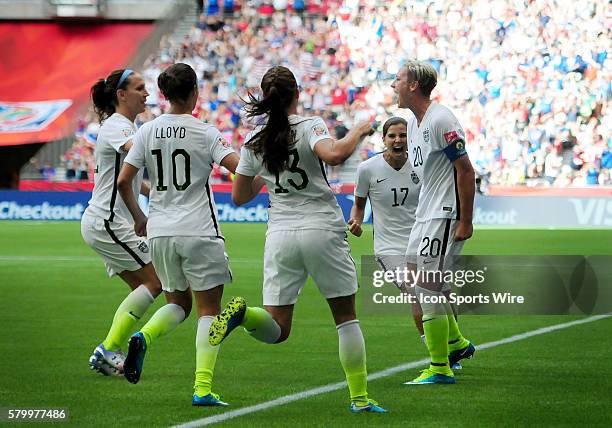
47, 70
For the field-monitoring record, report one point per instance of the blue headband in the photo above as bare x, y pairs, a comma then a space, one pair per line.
124, 76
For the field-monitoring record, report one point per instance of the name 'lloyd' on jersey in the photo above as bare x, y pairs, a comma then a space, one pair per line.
176, 132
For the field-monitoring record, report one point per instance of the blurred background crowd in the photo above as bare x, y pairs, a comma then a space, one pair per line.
530, 80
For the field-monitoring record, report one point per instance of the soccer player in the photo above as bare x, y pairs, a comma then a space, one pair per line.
444, 212
393, 186
187, 246
306, 230
106, 225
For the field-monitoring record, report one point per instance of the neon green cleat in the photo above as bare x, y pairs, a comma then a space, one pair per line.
226, 321
428, 377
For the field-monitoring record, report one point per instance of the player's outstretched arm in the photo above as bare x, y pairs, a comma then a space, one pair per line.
245, 188
124, 185
335, 152
466, 187
357, 214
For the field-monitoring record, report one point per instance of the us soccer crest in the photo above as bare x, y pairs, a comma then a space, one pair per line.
142, 246
415, 177
426, 136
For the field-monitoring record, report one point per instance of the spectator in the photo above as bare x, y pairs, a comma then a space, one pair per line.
522, 76
47, 171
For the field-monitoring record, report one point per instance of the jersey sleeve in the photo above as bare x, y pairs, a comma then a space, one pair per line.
121, 135
136, 155
362, 185
449, 137
220, 147
316, 131
246, 166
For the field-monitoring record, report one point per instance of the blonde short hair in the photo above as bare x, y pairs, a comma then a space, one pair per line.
424, 74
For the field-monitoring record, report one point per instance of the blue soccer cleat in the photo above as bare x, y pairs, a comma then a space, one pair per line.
226, 321
109, 363
427, 377
210, 399
371, 407
461, 354
137, 347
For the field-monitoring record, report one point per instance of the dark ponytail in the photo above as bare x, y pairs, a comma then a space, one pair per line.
273, 141
104, 94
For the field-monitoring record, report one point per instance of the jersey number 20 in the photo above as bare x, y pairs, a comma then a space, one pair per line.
160, 170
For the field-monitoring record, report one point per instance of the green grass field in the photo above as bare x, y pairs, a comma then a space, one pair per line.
57, 304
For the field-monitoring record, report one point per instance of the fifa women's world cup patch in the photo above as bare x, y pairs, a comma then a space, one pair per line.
319, 130
222, 141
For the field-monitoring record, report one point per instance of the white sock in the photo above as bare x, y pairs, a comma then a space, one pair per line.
163, 321
351, 349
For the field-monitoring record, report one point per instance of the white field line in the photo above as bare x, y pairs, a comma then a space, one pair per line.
377, 375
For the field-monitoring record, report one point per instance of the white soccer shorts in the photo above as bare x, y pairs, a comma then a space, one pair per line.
199, 262
291, 255
435, 243
117, 244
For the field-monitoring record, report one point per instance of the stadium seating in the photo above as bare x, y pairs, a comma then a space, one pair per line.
530, 83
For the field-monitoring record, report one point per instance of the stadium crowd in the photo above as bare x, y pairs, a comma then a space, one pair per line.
530, 81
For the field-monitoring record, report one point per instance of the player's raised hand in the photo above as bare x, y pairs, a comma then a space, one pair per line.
354, 227
464, 231
140, 226
365, 128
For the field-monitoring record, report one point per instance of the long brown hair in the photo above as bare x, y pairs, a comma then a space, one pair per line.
273, 141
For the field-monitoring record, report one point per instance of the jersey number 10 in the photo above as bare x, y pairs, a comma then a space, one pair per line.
160, 170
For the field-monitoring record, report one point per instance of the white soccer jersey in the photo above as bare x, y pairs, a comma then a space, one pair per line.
105, 200
432, 149
300, 197
394, 196
178, 151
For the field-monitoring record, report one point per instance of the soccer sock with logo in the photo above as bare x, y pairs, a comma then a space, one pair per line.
260, 324
163, 321
206, 357
127, 315
351, 349
456, 340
